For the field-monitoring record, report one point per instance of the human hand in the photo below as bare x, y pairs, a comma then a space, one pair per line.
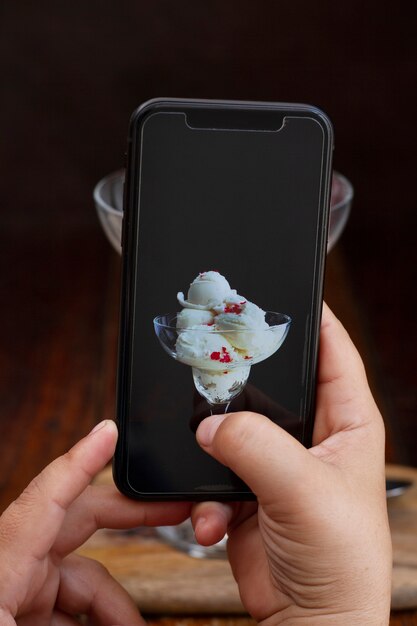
41, 582
315, 548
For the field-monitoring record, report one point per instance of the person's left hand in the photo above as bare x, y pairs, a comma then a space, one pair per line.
41, 582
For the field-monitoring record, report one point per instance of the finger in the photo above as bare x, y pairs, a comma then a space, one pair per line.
86, 587
105, 507
266, 457
30, 525
344, 399
341, 356
210, 521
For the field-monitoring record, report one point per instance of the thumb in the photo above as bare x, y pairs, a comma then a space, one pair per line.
268, 459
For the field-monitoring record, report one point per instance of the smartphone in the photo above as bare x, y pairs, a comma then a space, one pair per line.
224, 242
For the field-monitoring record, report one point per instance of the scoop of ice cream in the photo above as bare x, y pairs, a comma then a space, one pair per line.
206, 349
194, 317
240, 314
244, 325
208, 290
231, 302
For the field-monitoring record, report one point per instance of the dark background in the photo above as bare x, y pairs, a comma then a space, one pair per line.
71, 74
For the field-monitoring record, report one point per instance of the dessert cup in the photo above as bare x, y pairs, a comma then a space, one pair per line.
219, 369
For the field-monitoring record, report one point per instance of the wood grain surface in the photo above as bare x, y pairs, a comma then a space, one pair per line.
403, 523
162, 579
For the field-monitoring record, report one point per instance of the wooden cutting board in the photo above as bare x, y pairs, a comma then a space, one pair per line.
402, 513
163, 580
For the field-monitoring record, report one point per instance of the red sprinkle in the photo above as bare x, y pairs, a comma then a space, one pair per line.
223, 356
210, 324
233, 308
248, 357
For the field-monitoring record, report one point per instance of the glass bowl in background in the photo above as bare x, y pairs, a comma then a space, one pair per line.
108, 198
341, 197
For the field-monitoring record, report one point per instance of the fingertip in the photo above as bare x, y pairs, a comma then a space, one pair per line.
210, 521
338, 357
105, 425
208, 428
266, 457
95, 450
329, 319
104, 433
209, 531
199, 528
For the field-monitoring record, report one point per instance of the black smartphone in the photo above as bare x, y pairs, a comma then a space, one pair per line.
224, 243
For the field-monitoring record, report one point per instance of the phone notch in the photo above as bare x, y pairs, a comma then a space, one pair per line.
250, 120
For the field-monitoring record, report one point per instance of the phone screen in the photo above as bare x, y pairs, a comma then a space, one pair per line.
246, 206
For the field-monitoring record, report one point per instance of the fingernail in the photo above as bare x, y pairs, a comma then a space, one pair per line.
208, 428
199, 525
99, 426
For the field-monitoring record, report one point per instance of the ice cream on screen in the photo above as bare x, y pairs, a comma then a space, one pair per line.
233, 320
220, 335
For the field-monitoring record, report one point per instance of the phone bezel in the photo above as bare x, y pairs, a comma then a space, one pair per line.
129, 252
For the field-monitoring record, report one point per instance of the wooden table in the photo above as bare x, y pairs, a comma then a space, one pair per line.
62, 369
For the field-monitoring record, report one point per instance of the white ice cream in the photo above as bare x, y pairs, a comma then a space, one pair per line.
221, 334
208, 290
194, 317
206, 349
245, 326
210, 300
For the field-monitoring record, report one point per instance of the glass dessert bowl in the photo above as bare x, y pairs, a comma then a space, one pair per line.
108, 199
221, 360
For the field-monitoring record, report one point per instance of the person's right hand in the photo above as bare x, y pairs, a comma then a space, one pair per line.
315, 548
